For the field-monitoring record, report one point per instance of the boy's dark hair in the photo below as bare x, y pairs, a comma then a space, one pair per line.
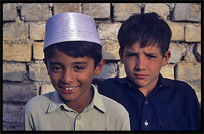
76, 49
145, 29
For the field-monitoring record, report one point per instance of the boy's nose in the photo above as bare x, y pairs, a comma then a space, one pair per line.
139, 65
67, 77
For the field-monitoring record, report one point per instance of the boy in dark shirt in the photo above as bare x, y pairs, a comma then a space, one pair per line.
153, 102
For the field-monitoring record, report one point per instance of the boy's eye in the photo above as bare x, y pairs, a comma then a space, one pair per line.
56, 68
79, 68
151, 56
130, 55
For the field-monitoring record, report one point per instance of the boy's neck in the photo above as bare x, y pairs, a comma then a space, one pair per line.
80, 104
149, 88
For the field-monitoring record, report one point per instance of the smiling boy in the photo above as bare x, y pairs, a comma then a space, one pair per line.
73, 56
153, 102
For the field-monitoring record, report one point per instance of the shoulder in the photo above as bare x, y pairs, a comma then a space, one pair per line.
112, 83
38, 102
111, 106
179, 86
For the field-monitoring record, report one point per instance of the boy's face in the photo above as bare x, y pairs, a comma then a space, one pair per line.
142, 65
72, 77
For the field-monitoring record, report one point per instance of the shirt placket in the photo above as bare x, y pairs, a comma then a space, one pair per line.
146, 116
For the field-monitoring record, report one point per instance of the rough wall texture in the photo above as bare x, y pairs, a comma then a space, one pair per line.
25, 75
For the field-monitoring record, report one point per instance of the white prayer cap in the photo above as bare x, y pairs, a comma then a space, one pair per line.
70, 27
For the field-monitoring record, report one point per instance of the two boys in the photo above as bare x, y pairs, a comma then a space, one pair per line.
73, 56
153, 102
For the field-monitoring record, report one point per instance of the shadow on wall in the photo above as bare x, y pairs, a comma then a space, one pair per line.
15, 95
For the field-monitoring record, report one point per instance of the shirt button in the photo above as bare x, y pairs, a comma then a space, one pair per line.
146, 102
146, 123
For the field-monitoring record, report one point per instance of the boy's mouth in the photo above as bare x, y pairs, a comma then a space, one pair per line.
70, 88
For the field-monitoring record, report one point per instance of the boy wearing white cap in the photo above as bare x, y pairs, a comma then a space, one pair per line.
73, 56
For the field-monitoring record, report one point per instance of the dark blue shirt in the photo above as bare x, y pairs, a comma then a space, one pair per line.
172, 105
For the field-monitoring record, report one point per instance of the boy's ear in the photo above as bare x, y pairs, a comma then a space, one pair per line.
166, 57
99, 67
121, 55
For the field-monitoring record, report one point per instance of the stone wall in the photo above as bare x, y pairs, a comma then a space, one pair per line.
25, 75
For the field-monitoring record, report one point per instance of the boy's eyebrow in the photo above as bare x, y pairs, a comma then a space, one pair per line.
80, 62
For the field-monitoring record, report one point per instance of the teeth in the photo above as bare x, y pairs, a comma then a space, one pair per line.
70, 88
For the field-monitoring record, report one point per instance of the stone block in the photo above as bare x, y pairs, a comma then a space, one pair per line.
38, 53
122, 11
178, 51
8, 126
19, 92
190, 56
47, 88
15, 31
188, 72
97, 10
198, 52
121, 72
197, 87
177, 30
14, 71
108, 31
38, 72
109, 71
34, 11
67, 7
168, 71
17, 52
187, 12
110, 50
160, 9
37, 31
13, 113
193, 33
9, 11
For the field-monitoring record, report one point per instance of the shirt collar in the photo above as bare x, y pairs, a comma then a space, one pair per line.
161, 82
56, 102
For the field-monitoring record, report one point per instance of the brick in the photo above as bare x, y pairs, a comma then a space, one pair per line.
160, 9
97, 10
47, 88
190, 57
12, 126
67, 7
38, 53
178, 51
197, 87
188, 72
14, 71
13, 113
38, 72
9, 11
37, 31
168, 71
15, 31
110, 50
187, 12
123, 11
19, 92
190, 35
34, 11
177, 30
17, 52
108, 31
121, 72
109, 71
198, 52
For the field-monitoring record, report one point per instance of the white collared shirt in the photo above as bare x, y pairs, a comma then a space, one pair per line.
49, 112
